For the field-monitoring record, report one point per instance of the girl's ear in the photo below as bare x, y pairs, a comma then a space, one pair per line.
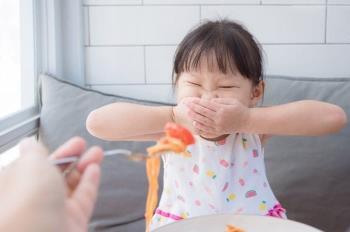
257, 93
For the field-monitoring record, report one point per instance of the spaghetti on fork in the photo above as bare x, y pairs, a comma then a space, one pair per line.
177, 139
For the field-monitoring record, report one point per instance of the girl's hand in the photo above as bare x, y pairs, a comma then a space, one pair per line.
180, 114
218, 116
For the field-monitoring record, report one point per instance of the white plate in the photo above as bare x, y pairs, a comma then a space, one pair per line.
249, 223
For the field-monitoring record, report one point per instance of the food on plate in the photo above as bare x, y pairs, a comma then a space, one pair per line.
231, 228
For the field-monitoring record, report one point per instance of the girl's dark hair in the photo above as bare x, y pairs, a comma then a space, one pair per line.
233, 47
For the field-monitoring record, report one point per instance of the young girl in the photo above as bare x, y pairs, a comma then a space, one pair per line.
219, 82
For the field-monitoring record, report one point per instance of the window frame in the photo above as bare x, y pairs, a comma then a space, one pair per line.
58, 25
25, 122
17, 126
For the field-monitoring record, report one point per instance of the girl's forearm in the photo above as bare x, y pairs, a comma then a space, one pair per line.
308, 118
125, 121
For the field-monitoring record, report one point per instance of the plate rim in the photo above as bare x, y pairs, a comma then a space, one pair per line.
232, 215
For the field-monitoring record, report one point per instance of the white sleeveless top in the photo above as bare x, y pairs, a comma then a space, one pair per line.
227, 176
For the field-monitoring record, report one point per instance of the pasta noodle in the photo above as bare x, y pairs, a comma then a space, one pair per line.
177, 138
231, 228
152, 168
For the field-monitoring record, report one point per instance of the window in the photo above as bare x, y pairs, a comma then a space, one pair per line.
36, 37
9, 156
16, 57
18, 71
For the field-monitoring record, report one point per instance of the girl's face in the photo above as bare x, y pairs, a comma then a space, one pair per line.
207, 84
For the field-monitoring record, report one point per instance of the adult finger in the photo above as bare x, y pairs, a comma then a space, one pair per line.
93, 155
86, 192
74, 146
72, 181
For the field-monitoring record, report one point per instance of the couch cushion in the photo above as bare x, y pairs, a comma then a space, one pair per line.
310, 175
121, 200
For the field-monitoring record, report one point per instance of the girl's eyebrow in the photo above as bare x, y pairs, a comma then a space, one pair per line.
229, 83
229, 79
196, 75
192, 77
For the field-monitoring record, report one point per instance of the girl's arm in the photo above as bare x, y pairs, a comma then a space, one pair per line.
126, 121
304, 118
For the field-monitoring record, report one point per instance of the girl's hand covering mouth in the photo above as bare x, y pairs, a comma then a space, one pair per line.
218, 116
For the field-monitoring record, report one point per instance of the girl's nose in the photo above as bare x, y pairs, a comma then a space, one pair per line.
208, 95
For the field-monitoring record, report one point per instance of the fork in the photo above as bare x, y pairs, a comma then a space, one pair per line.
75, 158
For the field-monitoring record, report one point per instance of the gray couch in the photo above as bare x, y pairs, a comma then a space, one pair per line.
310, 176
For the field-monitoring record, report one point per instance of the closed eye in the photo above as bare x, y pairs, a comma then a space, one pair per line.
193, 83
228, 87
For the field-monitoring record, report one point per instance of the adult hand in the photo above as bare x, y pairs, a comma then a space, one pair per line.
81, 184
36, 197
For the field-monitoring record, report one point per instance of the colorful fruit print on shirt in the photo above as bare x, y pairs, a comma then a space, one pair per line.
231, 197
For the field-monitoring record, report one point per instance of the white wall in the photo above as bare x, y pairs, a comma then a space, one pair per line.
130, 43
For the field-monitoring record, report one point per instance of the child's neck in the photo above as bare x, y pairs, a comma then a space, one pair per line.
219, 138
